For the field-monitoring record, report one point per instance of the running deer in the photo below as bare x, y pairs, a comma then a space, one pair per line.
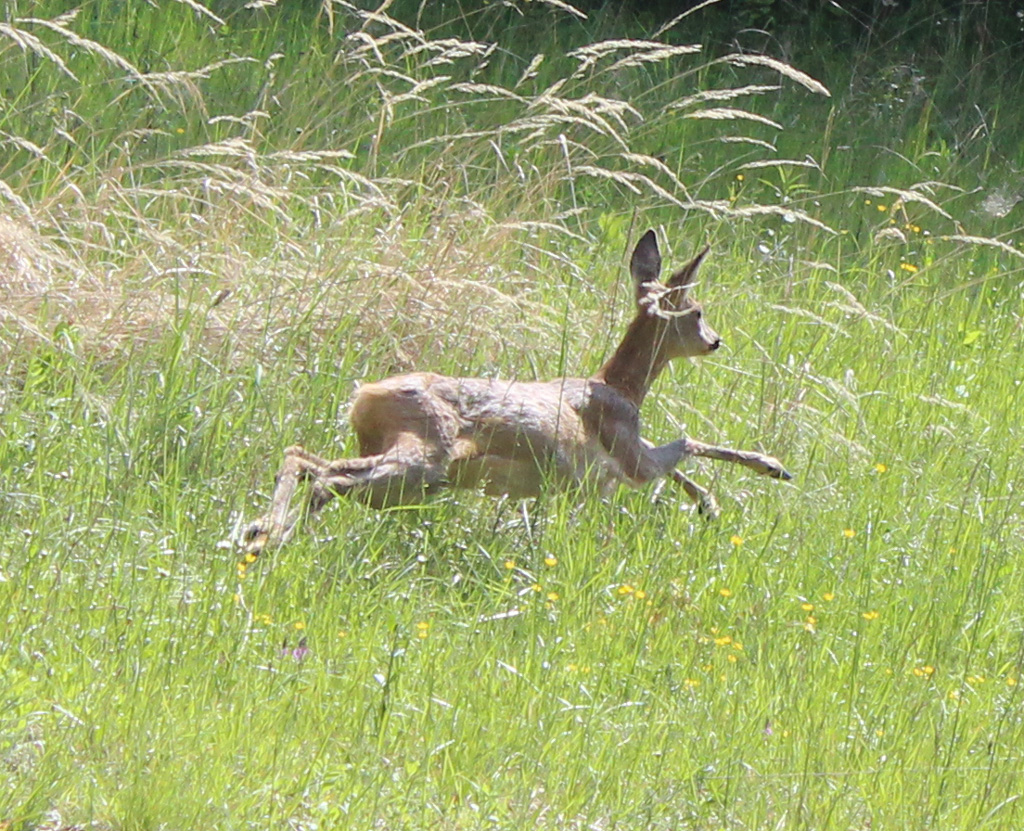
422, 432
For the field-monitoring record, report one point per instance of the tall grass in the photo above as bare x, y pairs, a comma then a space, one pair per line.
217, 221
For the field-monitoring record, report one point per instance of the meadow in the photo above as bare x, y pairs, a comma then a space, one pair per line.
216, 221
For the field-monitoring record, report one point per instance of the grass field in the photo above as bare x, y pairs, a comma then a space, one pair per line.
216, 221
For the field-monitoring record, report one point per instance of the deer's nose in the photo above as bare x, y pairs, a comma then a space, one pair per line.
715, 344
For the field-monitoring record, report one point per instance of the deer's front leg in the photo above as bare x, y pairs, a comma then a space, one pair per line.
666, 457
706, 503
758, 462
643, 462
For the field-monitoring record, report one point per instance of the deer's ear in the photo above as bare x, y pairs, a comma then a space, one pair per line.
645, 264
687, 275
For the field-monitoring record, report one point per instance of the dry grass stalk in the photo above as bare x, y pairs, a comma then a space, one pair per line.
782, 68
904, 195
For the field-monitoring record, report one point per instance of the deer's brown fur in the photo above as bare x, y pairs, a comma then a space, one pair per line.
421, 432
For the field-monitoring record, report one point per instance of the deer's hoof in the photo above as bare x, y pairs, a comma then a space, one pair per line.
770, 466
708, 507
256, 538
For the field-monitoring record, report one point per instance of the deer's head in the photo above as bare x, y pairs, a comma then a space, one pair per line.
682, 330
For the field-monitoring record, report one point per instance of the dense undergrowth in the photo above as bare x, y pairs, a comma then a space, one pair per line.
217, 220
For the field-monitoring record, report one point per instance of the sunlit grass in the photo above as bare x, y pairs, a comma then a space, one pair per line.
202, 259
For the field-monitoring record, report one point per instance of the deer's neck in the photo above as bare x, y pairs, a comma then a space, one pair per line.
637, 362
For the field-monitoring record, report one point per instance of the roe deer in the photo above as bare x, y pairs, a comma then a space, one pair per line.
421, 432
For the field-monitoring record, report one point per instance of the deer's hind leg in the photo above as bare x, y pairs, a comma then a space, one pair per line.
406, 473
410, 470
278, 524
